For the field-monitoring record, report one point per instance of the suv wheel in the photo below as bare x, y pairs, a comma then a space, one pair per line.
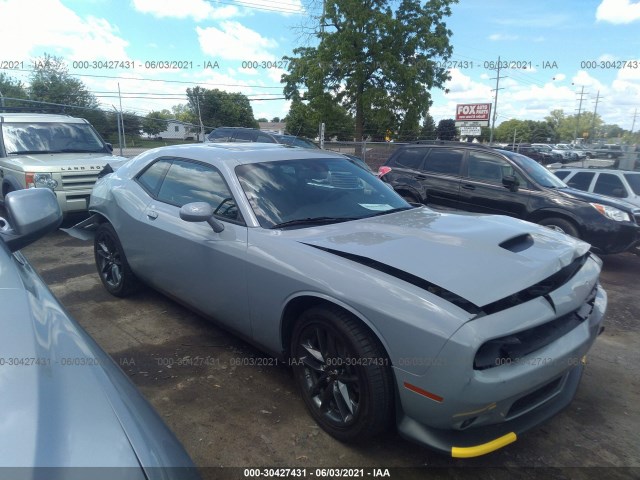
560, 225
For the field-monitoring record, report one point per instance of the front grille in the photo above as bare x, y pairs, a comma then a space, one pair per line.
512, 349
533, 399
79, 181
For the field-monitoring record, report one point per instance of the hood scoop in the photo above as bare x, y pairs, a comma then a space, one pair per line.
519, 243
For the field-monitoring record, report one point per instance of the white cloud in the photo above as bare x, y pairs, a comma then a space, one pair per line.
618, 11
33, 24
498, 37
234, 41
198, 10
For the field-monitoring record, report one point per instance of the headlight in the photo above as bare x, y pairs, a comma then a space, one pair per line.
40, 180
611, 213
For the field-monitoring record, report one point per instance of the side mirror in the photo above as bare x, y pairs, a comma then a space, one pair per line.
109, 147
511, 182
32, 214
200, 212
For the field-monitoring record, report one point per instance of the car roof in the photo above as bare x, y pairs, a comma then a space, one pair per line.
596, 170
243, 152
39, 117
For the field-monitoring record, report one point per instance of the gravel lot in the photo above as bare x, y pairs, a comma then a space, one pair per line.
231, 406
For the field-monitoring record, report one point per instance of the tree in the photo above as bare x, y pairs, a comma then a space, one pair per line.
376, 61
300, 120
184, 113
218, 108
447, 129
51, 82
429, 130
11, 88
262, 119
275, 119
512, 130
156, 122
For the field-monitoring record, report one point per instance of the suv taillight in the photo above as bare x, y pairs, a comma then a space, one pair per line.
382, 171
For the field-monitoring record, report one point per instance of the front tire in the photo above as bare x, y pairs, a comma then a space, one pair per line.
560, 225
343, 373
113, 268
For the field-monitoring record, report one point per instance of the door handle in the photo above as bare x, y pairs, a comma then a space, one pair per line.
468, 186
152, 215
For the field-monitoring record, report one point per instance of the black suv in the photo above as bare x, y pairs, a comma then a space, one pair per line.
476, 178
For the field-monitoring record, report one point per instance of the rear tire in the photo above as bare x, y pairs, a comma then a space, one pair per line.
113, 268
343, 373
560, 225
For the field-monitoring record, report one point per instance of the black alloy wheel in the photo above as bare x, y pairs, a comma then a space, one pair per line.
343, 373
114, 271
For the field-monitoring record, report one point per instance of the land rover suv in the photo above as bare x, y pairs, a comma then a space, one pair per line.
481, 179
59, 152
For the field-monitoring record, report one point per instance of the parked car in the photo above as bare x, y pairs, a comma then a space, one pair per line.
612, 183
542, 157
65, 403
480, 179
610, 151
59, 152
387, 313
242, 134
585, 150
576, 153
565, 154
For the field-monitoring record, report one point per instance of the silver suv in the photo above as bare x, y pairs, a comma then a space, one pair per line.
59, 152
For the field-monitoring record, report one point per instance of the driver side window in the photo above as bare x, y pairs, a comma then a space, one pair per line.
186, 182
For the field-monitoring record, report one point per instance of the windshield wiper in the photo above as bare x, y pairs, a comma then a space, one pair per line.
393, 210
27, 152
313, 221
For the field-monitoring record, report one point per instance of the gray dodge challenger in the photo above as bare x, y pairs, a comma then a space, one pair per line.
461, 330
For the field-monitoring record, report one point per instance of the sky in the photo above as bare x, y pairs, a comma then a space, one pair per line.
569, 48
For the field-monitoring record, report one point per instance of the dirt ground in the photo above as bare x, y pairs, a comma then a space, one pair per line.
230, 406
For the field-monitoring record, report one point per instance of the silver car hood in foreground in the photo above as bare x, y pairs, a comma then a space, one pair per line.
460, 253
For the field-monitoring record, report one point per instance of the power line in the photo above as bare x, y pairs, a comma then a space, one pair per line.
257, 6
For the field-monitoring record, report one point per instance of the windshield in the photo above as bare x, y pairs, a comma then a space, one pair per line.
537, 172
634, 181
326, 189
297, 142
50, 137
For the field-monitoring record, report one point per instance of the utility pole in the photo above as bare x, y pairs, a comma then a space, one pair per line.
495, 103
593, 120
633, 124
575, 132
124, 138
321, 125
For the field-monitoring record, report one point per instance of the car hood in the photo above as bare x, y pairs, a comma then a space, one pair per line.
58, 162
595, 198
460, 253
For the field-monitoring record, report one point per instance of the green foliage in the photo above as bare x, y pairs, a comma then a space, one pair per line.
568, 127
429, 130
300, 121
11, 88
275, 119
376, 61
156, 122
262, 119
219, 108
51, 82
447, 129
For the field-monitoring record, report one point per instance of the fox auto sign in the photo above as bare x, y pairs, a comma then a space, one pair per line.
473, 112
